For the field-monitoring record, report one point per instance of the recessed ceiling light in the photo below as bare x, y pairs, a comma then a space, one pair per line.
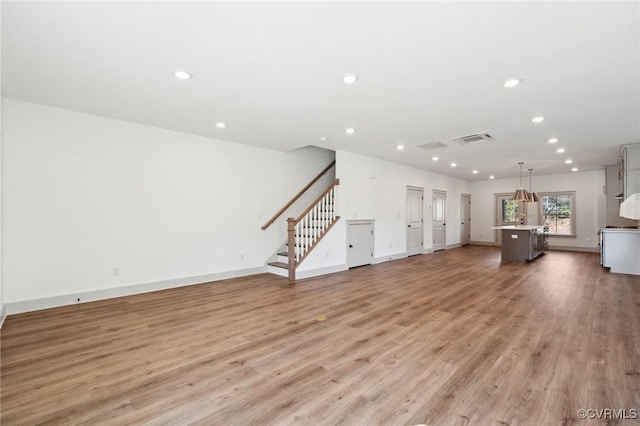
553, 140
538, 119
512, 83
221, 125
350, 130
560, 150
400, 147
475, 172
323, 138
453, 164
575, 169
568, 161
349, 78
182, 75
492, 177
434, 158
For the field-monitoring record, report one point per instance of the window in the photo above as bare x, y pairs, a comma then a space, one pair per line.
558, 212
509, 210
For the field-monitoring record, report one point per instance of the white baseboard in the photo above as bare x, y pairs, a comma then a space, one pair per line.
110, 293
300, 275
388, 257
2, 315
450, 246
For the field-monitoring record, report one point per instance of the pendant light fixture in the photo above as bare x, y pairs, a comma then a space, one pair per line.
533, 197
521, 194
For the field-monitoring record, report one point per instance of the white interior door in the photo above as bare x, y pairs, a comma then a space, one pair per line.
415, 233
360, 243
465, 214
439, 220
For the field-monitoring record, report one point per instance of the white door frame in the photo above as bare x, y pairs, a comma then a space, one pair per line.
411, 226
465, 198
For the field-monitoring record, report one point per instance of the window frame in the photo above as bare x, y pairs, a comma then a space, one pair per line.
572, 197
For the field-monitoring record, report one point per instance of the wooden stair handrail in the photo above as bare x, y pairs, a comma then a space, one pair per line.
316, 201
298, 195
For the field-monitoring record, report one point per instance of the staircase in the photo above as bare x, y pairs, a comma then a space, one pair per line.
305, 231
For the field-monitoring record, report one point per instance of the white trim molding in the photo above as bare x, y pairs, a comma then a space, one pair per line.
300, 275
110, 293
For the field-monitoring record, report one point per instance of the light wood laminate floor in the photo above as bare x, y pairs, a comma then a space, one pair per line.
448, 338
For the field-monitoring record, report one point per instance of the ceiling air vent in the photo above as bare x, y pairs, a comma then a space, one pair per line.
433, 145
464, 140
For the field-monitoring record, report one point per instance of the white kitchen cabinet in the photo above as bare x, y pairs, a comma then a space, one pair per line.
621, 250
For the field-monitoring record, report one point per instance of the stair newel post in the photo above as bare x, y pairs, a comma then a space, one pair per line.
291, 241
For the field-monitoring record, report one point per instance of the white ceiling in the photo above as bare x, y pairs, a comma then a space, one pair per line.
428, 72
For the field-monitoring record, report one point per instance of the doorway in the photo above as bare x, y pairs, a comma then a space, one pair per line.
507, 212
465, 214
439, 220
359, 243
415, 233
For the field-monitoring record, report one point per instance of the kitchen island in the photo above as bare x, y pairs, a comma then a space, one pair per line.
522, 243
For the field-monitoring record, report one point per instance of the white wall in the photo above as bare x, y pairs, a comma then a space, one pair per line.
2, 309
590, 205
376, 189
84, 194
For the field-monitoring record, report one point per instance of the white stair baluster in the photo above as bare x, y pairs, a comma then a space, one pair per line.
303, 241
330, 205
306, 234
315, 222
298, 230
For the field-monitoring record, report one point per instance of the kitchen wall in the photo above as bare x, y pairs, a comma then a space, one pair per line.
589, 198
95, 207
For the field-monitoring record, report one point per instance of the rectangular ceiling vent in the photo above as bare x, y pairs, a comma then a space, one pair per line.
433, 145
464, 140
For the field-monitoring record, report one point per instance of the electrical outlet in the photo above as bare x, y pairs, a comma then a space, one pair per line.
116, 271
